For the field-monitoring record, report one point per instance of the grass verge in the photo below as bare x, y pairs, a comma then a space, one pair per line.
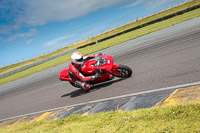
105, 44
181, 118
103, 35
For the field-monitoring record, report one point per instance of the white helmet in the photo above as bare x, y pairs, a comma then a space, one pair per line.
77, 58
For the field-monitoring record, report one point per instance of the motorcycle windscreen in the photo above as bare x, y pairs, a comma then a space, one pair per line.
103, 63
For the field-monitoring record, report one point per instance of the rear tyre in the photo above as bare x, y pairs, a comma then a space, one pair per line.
124, 71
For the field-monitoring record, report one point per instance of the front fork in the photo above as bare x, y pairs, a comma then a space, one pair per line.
114, 70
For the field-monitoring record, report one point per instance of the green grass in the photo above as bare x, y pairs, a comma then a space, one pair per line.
147, 19
108, 33
176, 119
103, 45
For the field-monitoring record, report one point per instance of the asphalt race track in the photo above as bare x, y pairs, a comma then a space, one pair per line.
171, 57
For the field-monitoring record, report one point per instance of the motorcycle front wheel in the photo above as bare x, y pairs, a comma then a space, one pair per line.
124, 71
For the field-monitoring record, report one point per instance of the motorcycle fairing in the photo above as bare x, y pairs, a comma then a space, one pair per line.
99, 62
64, 74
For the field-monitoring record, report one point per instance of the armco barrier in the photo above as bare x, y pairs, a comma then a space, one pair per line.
101, 40
143, 25
37, 63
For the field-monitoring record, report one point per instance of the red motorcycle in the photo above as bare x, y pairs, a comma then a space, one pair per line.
103, 64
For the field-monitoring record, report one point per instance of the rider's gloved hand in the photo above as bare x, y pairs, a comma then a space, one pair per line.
96, 76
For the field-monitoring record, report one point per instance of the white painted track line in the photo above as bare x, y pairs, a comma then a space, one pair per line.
106, 99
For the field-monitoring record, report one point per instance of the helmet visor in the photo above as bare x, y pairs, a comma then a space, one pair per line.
80, 60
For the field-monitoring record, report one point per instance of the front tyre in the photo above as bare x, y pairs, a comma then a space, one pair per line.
124, 71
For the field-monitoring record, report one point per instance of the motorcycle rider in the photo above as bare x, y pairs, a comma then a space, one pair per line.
76, 77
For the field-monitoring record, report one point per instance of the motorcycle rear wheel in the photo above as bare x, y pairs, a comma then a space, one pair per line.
124, 71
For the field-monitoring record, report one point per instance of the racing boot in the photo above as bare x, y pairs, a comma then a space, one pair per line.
86, 87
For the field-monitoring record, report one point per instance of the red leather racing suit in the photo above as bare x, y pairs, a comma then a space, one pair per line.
77, 78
